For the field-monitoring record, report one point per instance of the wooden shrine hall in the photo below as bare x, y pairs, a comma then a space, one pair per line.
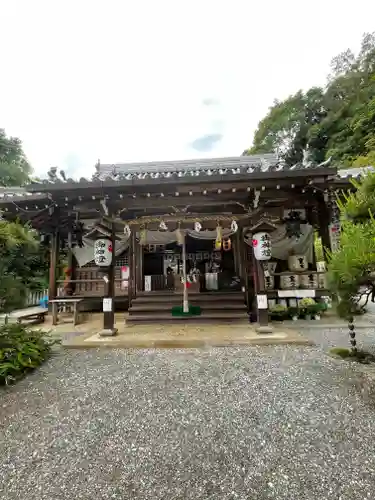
181, 234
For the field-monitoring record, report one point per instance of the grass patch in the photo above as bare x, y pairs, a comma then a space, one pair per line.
21, 351
359, 356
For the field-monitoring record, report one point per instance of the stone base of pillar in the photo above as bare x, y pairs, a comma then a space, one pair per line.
264, 329
110, 332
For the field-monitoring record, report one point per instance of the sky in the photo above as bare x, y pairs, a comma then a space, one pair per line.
146, 80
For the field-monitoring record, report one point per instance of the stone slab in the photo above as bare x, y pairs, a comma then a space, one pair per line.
185, 336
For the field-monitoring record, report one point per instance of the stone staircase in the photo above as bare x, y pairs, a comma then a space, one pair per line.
155, 307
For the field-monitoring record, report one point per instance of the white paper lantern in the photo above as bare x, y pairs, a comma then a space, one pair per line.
262, 246
103, 252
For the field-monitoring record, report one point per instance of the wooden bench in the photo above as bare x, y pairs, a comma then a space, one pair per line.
64, 301
33, 315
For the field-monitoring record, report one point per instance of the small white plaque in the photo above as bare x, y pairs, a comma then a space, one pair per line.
297, 293
147, 283
262, 301
107, 304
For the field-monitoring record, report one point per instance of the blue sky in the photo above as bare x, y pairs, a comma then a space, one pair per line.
159, 80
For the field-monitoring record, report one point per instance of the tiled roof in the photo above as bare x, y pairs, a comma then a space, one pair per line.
19, 193
210, 166
356, 172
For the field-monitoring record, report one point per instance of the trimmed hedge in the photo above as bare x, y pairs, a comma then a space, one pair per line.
22, 350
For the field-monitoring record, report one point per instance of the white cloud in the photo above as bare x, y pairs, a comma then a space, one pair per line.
127, 81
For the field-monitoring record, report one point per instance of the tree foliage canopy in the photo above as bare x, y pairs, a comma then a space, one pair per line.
15, 170
337, 121
352, 268
22, 259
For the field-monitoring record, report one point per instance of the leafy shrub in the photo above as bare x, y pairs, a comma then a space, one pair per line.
21, 350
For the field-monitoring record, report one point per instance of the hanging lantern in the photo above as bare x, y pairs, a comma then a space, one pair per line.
227, 245
262, 246
163, 226
127, 231
234, 226
197, 226
103, 252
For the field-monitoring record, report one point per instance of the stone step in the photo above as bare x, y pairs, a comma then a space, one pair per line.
205, 306
219, 316
193, 297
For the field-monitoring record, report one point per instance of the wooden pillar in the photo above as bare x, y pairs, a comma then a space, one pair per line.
130, 259
52, 286
324, 216
260, 290
133, 268
237, 253
311, 220
139, 267
54, 258
109, 293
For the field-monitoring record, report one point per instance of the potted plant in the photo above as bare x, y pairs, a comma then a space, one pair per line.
278, 312
293, 313
316, 310
305, 306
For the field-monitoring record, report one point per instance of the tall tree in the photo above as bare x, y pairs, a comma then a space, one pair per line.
337, 121
15, 170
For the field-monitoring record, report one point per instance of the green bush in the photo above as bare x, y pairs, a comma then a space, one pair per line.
21, 350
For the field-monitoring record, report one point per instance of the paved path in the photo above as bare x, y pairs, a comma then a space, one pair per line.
230, 423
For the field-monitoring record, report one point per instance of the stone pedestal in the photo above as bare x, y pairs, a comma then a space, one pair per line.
264, 329
110, 332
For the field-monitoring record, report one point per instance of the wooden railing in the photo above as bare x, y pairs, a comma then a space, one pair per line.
34, 298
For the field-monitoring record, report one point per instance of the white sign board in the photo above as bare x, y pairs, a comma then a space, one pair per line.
125, 271
334, 236
262, 301
103, 252
147, 283
107, 304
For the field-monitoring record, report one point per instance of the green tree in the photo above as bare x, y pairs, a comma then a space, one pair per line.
337, 121
22, 258
15, 170
20, 262
352, 267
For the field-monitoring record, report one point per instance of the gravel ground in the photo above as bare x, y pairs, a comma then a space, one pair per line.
230, 423
326, 338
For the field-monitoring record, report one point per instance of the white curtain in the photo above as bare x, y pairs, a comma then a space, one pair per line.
282, 245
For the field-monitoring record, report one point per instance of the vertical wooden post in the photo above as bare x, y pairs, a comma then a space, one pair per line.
237, 253
54, 257
109, 293
260, 290
185, 302
135, 263
140, 279
130, 260
324, 216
